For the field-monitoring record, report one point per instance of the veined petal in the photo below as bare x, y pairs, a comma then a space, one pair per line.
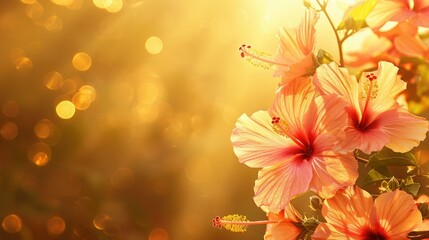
404, 129
306, 66
331, 79
331, 170
306, 32
328, 117
296, 46
372, 139
347, 212
385, 88
396, 213
292, 102
388, 10
277, 185
326, 231
256, 144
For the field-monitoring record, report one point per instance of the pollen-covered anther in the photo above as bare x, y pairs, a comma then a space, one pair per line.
280, 126
257, 58
217, 222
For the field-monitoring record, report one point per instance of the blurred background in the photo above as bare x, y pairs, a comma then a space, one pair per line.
115, 115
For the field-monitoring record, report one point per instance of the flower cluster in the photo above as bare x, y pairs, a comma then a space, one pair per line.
324, 120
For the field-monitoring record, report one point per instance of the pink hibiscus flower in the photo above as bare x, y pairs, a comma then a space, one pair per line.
416, 12
294, 56
292, 143
353, 214
375, 117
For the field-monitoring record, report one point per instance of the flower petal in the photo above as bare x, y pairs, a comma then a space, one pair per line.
348, 211
256, 144
284, 230
411, 46
293, 101
331, 79
328, 117
331, 170
388, 10
385, 88
404, 129
277, 185
396, 213
296, 46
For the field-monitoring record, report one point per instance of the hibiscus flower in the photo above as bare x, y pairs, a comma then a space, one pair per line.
416, 12
353, 214
292, 142
294, 56
375, 117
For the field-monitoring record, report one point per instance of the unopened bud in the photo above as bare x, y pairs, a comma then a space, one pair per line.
315, 203
393, 184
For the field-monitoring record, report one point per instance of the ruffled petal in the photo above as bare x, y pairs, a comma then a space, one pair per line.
331, 79
388, 10
328, 117
292, 102
384, 89
347, 212
396, 213
277, 185
295, 48
256, 144
326, 231
404, 129
331, 170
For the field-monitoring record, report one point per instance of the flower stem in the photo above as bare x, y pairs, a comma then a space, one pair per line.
339, 41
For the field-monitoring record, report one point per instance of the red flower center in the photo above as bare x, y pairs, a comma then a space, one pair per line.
374, 234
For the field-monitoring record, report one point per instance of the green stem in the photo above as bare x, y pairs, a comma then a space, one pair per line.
339, 41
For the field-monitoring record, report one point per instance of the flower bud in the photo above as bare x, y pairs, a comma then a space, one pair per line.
315, 203
393, 184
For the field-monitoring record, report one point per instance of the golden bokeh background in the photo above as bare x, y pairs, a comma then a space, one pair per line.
116, 115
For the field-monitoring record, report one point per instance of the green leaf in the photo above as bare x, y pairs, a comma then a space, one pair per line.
324, 57
373, 176
387, 157
413, 188
354, 19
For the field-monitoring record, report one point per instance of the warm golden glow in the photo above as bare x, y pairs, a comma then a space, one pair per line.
53, 80
102, 221
82, 61
12, 223
9, 130
65, 109
54, 24
158, 234
56, 225
35, 10
122, 177
44, 128
70, 85
103, 4
116, 6
28, 1
23, 64
39, 154
154, 45
10, 109
84, 97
